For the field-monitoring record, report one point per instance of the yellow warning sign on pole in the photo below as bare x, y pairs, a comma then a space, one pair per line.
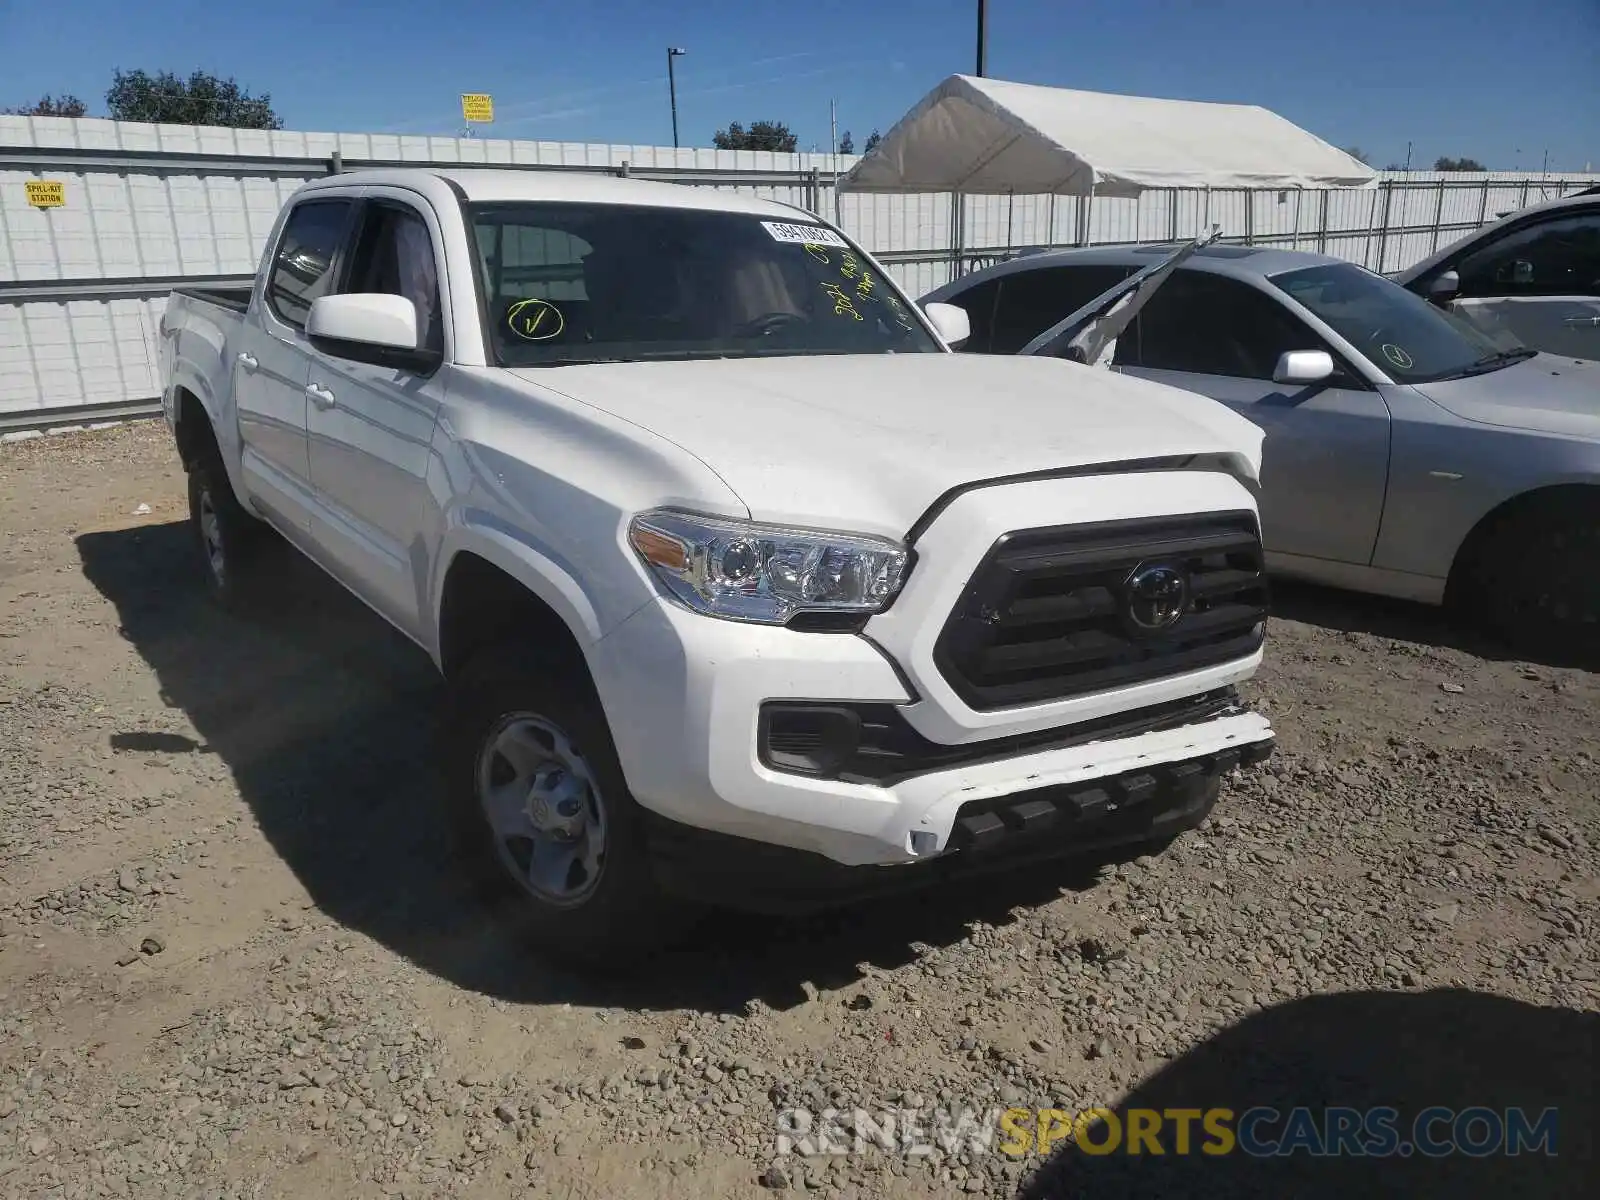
477, 107
46, 193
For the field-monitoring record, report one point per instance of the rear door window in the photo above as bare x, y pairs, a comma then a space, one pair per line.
1032, 301
1211, 325
302, 269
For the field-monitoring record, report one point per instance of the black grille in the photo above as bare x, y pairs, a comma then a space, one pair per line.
1047, 613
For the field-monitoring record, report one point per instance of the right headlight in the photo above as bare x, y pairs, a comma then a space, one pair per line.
748, 571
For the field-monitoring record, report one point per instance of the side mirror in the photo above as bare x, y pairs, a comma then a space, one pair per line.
368, 319
950, 322
1444, 287
1303, 366
370, 327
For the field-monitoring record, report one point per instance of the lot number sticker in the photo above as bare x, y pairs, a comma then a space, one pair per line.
46, 193
803, 235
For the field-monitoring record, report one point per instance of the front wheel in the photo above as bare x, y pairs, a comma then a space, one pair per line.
1533, 578
544, 813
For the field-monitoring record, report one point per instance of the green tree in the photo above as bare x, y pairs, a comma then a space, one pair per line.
64, 105
873, 139
762, 135
201, 99
847, 144
1445, 163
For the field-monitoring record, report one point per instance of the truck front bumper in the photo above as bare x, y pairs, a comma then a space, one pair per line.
684, 693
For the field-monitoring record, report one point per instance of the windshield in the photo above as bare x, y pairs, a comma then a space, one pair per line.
566, 283
1405, 336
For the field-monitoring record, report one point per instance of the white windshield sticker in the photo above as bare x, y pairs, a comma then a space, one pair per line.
803, 235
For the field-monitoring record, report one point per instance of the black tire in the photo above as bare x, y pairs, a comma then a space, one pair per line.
1532, 578
229, 539
623, 917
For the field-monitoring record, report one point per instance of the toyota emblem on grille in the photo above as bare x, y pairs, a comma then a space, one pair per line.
1157, 596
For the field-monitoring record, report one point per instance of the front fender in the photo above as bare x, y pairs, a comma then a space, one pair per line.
475, 531
1443, 482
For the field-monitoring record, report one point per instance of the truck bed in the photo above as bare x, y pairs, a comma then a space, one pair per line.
235, 299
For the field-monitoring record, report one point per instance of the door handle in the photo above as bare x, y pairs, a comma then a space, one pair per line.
1582, 321
320, 396
248, 361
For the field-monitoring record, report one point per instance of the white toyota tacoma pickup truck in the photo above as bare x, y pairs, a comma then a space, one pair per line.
746, 588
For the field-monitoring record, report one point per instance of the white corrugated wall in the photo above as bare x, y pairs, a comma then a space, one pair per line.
133, 223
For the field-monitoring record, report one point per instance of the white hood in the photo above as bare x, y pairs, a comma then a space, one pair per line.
869, 442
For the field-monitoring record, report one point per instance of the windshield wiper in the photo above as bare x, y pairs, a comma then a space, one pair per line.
1493, 362
1505, 356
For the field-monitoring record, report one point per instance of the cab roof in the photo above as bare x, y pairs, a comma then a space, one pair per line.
489, 185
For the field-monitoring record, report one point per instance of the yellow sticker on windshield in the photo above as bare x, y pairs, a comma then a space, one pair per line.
1397, 356
535, 320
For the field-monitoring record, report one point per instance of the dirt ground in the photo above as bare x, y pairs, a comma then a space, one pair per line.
234, 963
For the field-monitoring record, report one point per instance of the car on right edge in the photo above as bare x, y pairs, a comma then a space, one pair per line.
1407, 453
1534, 274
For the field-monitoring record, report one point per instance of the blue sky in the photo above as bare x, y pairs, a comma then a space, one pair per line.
1500, 82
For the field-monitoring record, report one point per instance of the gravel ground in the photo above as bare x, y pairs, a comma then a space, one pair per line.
233, 964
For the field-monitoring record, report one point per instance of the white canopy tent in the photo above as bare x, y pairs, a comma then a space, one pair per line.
987, 136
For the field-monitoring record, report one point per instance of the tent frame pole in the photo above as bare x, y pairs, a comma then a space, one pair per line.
957, 233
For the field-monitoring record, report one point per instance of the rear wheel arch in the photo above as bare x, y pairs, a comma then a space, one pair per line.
192, 429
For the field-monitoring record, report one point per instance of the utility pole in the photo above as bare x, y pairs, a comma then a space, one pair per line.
1408, 156
833, 127
983, 27
672, 88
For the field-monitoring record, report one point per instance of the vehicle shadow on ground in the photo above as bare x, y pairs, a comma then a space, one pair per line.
328, 721
1409, 1051
1402, 621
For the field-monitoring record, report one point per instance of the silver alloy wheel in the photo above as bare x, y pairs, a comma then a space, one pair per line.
544, 809
211, 536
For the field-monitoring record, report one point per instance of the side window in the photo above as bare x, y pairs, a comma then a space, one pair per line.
300, 269
1557, 257
978, 303
394, 256
1210, 325
1032, 301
